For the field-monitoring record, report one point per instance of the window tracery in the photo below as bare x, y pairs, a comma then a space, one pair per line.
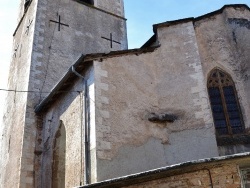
224, 104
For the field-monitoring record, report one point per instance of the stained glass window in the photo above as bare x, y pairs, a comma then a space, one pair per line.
224, 104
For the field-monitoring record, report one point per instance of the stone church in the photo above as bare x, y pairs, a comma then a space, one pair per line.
88, 112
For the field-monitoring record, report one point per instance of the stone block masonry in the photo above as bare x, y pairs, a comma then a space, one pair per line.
102, 129
219, 172
224, 176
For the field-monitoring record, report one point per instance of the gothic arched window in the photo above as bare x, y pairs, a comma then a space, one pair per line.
224, 103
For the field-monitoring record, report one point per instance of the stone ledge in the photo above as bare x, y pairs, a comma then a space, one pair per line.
233, 140
168, 171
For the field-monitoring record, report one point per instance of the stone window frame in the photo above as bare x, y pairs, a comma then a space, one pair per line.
245, 177
218, 80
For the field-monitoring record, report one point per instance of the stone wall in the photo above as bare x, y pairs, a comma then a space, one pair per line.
170, 80
108, 5
221, 172
225, 175
128, 88
86, 27
131, 87
70, 113
44, 52
124, 91
223, 41
14, 134
55, 51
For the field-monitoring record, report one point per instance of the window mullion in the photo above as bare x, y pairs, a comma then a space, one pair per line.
224, 105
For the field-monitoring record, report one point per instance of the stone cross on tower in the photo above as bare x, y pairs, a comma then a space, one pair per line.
46, 55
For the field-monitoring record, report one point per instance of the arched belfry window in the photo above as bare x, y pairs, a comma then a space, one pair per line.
224, 103
91, 2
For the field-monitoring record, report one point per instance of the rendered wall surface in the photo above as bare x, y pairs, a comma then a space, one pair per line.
71, 114
86, 27
124, 90
223, 42
172, 80
168, 80
108, 5
14, 131
44, 54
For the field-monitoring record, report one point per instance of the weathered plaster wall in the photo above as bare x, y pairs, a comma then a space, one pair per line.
59, 156
71, 113
87, 26
223, 42
172, 79
20, 10
113, 6
225, 175
43, 56
130, 87
12, 141
55, 51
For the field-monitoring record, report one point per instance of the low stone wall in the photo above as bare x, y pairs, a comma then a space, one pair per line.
220, 172
219, 176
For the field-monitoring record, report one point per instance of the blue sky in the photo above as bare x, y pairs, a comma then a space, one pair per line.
141, 15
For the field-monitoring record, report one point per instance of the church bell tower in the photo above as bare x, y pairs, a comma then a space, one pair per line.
49, 37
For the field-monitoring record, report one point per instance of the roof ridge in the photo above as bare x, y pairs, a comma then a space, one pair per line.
194, 19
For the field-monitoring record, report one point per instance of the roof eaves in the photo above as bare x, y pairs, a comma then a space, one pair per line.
174, 22
98, 56
165, 171
171, 23
48, 100
219, 11
149, 42
39, 108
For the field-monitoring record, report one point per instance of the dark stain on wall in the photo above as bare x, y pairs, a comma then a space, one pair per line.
239, 21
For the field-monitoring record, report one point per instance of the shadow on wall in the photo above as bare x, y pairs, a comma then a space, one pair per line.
58, 166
